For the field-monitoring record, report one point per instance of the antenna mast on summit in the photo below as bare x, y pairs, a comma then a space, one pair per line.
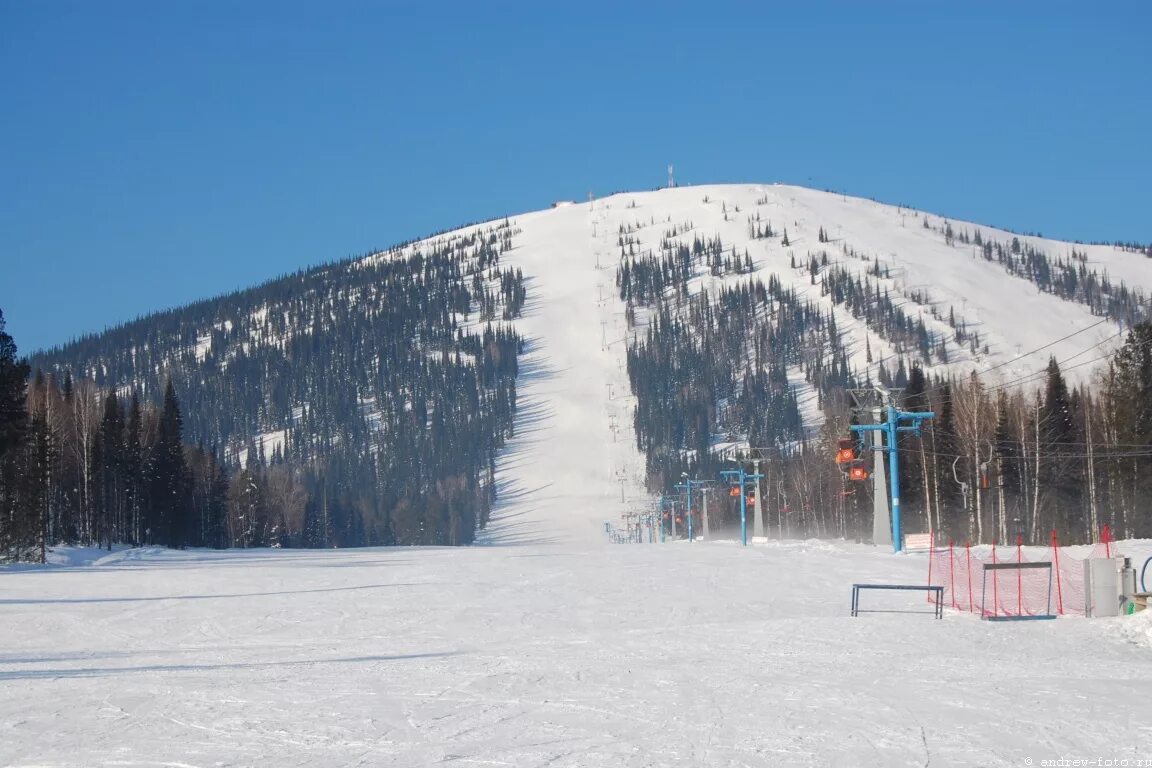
671, 180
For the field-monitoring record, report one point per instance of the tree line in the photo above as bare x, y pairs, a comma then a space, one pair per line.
1000, 460
360, 403
1069, 277
87, 467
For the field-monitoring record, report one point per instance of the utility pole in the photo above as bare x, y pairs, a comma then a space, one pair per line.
704, 514
762, 526
881, 515
895, 423
757, 509
688, 486
740, 478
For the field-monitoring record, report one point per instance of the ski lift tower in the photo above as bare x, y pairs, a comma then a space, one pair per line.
688, 486
740, 480
882, 404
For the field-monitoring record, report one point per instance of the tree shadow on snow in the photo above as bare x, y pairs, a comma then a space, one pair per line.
215, 558
33, 674
156, 598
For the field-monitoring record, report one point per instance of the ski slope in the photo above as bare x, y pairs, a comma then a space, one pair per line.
573, 463
545, 655
568, 470
546, 646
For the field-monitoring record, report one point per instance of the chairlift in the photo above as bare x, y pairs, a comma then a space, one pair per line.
845, 450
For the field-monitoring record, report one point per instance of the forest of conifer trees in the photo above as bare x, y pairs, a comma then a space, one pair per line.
364, 403
1028, 458
367, 409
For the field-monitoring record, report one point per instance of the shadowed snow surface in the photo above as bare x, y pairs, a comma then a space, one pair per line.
539, 654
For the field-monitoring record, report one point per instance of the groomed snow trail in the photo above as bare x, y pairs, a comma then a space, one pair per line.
573, 464
629, 656
550, 647
575, 453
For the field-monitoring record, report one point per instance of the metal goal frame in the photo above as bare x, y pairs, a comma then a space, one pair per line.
1021, 616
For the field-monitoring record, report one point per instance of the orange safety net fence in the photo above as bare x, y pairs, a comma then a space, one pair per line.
1026, 592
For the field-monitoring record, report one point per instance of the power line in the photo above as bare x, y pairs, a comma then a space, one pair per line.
1071, 443
1046, 346
1034, 351
1104, 456
1038, 374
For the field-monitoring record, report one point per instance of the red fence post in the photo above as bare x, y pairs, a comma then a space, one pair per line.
1056, 564
1106, 535
952, 572
931, 557
968, 559
995, 583
1019, 576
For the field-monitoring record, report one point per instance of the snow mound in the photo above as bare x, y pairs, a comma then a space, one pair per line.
1137, 628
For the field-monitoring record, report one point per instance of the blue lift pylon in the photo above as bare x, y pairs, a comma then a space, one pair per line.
895, 423
738, 477
687, 487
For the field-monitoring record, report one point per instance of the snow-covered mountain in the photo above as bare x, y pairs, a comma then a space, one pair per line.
578, 324
898, 286
385, 381
936, 268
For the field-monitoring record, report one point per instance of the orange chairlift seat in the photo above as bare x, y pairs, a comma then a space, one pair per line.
845, 450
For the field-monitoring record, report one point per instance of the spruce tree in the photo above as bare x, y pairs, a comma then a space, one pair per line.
949, 501
17, 531
1007, 469
133, 472
912, 491
13, 384
1060, 490
110, 471
1128, 398
170, 476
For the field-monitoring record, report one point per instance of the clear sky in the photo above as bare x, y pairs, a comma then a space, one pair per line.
155, 153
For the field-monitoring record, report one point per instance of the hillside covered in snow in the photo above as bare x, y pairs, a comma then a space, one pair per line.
553, 370
520, 385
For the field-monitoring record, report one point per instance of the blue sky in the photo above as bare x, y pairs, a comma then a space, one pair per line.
152, 154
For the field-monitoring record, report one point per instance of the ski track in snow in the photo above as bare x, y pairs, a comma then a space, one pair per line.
704, 654
545, 646
559, 479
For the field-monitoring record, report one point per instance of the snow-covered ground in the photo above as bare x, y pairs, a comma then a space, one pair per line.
1009, 313
544, 654
546, 646
573, 463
